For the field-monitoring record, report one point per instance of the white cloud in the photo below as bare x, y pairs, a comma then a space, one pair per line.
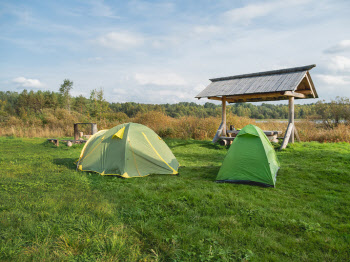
94, 59
167, 41
246, 13
120, 91
340, 64
342, 46
99, 8
27, 82
251, 11
333, 80
171, 93
172, 96
159, 79
210, 29
120, 40
193, 41
151, 8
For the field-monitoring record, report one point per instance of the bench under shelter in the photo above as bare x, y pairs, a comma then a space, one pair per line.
284, 84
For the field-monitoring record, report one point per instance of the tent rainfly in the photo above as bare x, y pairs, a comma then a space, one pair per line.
251, 159
127, 150
284, 84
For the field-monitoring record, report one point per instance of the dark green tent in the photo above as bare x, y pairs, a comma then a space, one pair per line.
127, 150
251, 159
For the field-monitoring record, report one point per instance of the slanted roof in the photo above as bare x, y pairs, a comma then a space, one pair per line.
263, 86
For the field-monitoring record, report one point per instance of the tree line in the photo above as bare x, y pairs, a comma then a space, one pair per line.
32, 103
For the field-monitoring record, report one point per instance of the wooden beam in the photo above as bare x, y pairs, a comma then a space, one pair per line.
305, 92
76, 131
287, 136
215, 98
291, 117
267, 133
227, 138
218, 133
304, 86
296, 134
294, 94
93, 128
257, 95
311, 84
224, 115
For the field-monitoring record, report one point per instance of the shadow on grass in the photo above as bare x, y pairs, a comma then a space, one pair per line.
205, 173
67, 162
201, 143
191, 159
178, 143
49, 144
215, 146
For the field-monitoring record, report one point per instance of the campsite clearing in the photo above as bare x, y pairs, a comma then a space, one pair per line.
49, 211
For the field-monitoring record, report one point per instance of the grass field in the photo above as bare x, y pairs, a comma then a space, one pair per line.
49, 211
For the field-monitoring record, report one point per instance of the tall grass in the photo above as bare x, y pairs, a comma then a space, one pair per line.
51, 212
60, 123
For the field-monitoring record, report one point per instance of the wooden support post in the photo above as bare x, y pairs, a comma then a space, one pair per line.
287, 136
296, 134
291, 117
76, 132
93, 128
224, 115
218, 133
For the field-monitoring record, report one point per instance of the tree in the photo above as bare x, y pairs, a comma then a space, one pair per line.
80, 104
334, 112
209, 105
3, 113
98, 105
39, 101
64, 90
51, 100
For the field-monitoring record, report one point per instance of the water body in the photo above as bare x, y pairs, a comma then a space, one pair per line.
317, 121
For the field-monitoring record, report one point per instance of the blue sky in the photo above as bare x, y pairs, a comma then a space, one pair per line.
165, 51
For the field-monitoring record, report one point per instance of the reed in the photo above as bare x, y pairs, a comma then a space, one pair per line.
60, 124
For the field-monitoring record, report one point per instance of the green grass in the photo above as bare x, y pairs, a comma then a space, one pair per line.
49, 211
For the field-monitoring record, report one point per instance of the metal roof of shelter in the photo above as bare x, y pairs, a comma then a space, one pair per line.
262, 86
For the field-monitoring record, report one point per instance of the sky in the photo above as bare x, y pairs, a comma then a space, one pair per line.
166, 51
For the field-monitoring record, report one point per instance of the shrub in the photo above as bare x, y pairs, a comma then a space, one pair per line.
57, 123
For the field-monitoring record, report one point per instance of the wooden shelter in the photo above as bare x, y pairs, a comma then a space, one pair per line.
77, 135
283, 84
77, 132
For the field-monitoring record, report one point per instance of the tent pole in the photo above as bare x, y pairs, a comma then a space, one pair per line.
291, 117
224, 115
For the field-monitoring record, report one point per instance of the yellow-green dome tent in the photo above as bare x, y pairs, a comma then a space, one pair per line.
127, 150
251, 159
